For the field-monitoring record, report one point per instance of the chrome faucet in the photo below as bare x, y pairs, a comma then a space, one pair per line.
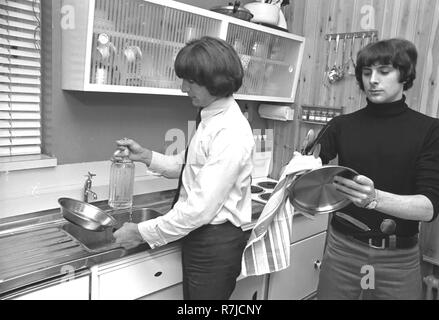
87, 188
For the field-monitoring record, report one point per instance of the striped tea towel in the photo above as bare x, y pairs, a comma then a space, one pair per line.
268, 248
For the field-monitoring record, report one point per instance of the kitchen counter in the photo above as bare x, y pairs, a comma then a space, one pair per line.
35, 248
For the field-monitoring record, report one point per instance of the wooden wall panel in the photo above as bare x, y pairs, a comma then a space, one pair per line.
428, 41
415, 20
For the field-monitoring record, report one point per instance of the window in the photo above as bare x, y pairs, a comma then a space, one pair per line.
20, 81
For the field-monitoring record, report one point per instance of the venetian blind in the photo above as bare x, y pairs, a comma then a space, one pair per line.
20, 75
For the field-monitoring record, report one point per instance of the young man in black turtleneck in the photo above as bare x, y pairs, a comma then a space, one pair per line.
395, 150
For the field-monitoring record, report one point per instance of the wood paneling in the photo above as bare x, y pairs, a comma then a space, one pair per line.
415, 20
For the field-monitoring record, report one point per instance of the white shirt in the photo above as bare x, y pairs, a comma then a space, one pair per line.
216, 179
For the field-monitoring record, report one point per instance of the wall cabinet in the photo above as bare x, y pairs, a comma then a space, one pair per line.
131, 45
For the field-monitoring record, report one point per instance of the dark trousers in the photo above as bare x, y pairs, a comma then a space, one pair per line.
211, 260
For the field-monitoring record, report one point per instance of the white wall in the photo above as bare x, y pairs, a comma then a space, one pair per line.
28, 191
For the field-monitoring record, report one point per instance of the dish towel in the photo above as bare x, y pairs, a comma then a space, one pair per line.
268, 247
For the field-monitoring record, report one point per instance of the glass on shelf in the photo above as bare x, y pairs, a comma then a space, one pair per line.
324, 115
260, 49
103, 68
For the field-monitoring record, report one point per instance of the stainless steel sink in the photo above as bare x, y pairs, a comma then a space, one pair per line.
98, 241
135, 215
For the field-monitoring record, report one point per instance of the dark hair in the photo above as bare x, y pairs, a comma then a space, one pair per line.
399, 53
212, 63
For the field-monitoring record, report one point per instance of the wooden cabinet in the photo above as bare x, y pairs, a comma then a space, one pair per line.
137, 276
75, 289
300, 279
131, 45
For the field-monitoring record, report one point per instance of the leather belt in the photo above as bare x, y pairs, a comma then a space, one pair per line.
373, 239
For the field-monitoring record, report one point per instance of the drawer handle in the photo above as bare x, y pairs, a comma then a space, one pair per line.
317, 264
158, 274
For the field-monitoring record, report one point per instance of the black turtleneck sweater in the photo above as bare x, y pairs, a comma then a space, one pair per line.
396, 147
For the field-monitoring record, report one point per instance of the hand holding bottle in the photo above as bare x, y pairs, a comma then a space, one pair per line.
136, 151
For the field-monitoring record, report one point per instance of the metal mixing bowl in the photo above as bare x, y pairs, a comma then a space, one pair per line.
85, 215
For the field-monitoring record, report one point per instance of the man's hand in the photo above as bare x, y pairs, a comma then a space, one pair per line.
128, 235
136, 151
360, 190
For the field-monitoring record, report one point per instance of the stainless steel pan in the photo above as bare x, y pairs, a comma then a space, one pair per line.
314, 193
86, 215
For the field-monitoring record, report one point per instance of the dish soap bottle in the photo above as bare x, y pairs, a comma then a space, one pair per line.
121, 180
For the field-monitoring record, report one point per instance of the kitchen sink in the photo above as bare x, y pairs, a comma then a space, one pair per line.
98, 241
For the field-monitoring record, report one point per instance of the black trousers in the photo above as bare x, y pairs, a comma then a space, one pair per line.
211, 261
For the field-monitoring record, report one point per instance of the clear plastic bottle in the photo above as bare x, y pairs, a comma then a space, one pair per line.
121, 181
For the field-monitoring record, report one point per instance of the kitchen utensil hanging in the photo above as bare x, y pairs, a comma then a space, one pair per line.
327, 66
337, 72
352, 63
342, 67
333, 74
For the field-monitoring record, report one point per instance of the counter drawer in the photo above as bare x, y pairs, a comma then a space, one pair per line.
304, 227
140, 278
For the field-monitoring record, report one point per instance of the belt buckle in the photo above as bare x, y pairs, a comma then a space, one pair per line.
383, 244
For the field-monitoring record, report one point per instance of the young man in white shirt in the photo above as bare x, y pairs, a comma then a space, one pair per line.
215, 195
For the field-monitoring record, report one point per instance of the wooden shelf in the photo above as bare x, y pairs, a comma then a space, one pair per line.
314, 122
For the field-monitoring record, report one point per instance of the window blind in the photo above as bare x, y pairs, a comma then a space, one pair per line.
20, 77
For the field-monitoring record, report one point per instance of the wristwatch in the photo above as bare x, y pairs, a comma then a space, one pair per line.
373, 203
